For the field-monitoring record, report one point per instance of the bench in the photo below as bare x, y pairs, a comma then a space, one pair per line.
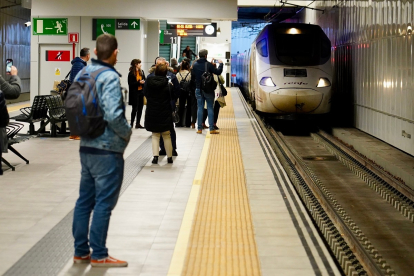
57, 114
36, 113
12, 129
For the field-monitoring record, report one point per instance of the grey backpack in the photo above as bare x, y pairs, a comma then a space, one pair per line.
82, 106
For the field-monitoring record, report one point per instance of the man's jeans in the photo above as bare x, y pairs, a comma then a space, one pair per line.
101, 180
209, 98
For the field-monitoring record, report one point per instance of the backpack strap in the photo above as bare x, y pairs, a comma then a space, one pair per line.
68, 74
185, 79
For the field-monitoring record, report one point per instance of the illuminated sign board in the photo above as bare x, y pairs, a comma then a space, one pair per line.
209, 30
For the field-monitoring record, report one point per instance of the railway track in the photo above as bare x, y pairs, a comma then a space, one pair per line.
365, 214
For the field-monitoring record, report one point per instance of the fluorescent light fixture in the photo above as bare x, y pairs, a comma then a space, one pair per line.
267, 81
323, 82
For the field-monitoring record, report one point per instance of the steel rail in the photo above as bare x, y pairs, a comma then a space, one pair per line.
369, 264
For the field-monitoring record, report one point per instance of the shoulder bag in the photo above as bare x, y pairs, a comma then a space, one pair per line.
175, 116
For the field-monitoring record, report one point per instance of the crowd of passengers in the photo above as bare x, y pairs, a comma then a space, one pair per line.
166, 87
101, 157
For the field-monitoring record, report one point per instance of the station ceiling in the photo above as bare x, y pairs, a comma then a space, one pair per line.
252, 15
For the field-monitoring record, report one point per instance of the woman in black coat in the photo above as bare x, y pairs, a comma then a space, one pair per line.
136, 80
158, 115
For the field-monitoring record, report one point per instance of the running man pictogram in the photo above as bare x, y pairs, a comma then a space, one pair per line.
58, 27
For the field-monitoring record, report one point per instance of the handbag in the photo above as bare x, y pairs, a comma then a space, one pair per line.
223, 90
175, 116
63, 86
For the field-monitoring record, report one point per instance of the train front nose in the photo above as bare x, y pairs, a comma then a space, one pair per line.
296, 100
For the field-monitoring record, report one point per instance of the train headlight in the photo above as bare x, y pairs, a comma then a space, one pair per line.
267, 81
323, 82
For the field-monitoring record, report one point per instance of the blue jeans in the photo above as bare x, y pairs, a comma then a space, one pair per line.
209, 98
101, 180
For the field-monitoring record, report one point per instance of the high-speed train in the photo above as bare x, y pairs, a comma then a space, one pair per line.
287, 70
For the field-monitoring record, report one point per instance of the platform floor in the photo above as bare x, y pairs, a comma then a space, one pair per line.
224, 207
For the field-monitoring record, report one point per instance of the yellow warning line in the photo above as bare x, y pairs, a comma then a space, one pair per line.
17, 107
178, 258
221, 240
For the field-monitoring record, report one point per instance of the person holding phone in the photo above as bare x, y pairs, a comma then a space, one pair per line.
9, 64
11, 90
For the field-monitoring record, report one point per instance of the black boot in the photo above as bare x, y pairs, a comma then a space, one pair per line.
169, 159
155, 160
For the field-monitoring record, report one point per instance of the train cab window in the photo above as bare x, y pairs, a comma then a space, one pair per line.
261, 47
325, 47
295, 45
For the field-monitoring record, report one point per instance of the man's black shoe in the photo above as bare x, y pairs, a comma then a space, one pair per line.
155, 160
170, 160
175, 153
162, 152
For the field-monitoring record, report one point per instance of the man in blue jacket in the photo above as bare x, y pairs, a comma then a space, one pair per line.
79, 62
102, 163
199, 67
77, 65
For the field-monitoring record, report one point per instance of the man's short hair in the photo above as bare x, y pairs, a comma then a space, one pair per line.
84, 52
161, 70
106, 44
203, 53
160, 60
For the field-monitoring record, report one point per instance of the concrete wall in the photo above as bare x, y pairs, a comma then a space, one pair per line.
158, 9
142, 44
218, 46
374, 64
132, 44
15, 42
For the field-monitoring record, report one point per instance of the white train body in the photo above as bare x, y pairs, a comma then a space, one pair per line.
288, 70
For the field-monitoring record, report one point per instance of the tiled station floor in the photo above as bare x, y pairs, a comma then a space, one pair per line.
224, 207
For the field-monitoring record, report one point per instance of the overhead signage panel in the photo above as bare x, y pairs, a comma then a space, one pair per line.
167, 36
102, 26
108, 26
50, 26
128, 24
57, 55
204, 30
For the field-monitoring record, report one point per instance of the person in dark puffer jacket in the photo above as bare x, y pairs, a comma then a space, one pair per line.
158, 115
77, 65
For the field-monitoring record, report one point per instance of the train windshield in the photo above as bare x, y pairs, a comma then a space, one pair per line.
306, 49
295, 45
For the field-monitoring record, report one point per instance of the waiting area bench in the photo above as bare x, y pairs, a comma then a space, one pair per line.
45, 109
12, 130
36, 113
57, 114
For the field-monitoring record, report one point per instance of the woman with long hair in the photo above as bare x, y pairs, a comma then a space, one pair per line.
136, 80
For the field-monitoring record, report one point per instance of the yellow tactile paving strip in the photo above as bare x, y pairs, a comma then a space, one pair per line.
17, 107
222, 238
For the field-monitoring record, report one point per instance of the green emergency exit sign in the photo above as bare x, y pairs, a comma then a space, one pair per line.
50, 26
